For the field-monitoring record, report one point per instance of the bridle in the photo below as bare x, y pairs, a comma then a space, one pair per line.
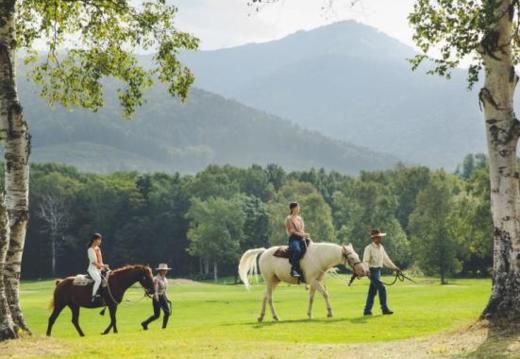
349, 259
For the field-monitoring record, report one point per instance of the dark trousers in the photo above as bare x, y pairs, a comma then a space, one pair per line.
162, 303
296, 251
376, 287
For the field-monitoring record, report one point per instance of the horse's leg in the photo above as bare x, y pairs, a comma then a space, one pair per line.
112, 321
312, 291
270, 289
55, 313
325, 295
113, 318
264, 303
75, 318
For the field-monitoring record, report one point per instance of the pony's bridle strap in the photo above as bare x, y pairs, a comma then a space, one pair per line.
347, 254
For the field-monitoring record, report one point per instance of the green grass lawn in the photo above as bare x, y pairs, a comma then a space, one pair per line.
220, 320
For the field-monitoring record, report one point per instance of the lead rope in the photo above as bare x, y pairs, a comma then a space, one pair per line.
129, 302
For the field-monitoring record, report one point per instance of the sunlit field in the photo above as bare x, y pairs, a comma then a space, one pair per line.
219, 320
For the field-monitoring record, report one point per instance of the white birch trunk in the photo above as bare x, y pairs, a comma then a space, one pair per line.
502, 131
17, 148
7, 328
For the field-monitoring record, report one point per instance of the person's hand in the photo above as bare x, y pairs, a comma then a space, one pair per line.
306, 235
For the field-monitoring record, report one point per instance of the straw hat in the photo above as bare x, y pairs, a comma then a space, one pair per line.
163, 266
376, 233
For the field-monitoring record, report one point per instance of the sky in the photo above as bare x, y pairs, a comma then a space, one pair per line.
228, 23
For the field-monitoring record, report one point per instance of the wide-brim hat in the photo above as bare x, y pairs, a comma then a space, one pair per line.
162, 266
376, 233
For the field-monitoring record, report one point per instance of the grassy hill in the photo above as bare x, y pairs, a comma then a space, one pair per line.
169, 136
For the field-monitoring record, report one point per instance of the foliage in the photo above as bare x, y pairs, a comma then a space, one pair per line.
102, 37
435, 248
215, 215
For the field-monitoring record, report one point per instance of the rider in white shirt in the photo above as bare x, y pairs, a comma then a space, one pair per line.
96, 264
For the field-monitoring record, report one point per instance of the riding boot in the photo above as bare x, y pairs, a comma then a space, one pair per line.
165, 321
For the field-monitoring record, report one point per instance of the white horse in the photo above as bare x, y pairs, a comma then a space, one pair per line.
320, 257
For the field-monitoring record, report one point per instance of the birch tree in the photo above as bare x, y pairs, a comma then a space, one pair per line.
486, 32
52, 211
101, 37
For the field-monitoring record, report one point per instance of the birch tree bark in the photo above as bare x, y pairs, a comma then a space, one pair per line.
502, 132
17, 149
7, 328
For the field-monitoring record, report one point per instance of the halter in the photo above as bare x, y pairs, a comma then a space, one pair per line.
348, 259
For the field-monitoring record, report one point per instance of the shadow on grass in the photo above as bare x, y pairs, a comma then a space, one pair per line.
498, 344
257, 325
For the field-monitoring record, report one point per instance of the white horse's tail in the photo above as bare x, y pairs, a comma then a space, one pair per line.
248, 264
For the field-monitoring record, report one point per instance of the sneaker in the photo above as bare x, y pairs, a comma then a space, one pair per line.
295, 274
387, 312
367, 313
144, 325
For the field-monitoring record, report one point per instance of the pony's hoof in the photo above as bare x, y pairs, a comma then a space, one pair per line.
276, 319
329, 315
309, 316
260, 319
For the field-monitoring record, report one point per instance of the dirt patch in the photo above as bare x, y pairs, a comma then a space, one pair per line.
32, 347
477, 341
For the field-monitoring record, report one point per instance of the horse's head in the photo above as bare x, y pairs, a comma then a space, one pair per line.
352, 259
146, 279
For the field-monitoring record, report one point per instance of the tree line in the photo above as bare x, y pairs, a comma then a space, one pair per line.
437, 223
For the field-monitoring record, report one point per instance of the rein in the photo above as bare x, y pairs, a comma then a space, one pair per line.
398, 276
126, 301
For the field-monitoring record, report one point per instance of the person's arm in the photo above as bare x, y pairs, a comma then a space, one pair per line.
156, 289
387, 262
366, 257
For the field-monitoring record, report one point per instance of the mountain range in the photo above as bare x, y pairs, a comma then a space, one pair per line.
353, 83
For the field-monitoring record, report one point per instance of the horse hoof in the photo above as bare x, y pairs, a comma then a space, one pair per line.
329, 315
276, 319
260, 319
309, 317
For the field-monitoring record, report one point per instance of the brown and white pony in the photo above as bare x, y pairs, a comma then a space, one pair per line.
319, 258
119, 280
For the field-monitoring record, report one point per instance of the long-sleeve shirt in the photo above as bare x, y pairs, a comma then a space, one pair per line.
160, 284
375, 256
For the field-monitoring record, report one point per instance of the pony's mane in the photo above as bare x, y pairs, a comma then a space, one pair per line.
129, 267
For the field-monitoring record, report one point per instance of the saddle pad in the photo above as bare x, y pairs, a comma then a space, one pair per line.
82, 280
284, 252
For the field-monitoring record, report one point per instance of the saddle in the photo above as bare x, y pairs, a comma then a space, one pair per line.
284, 252
83, 280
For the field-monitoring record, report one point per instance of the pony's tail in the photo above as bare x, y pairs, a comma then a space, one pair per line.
248, 264
51, 304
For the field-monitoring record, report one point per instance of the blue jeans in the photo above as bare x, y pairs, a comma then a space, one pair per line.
295, 248
376, 287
